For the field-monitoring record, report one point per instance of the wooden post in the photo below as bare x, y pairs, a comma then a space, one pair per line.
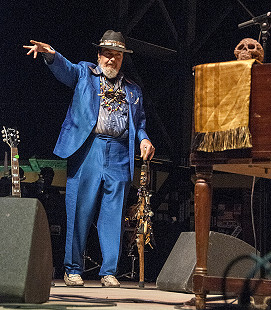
202, 205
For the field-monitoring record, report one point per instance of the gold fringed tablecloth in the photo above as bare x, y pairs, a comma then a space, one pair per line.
221, 106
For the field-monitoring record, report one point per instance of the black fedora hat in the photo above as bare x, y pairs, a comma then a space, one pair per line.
114, 41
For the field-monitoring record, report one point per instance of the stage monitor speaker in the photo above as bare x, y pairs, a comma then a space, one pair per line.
176, 274
25, 251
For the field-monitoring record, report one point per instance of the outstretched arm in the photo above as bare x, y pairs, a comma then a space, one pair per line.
63, 69
38, 47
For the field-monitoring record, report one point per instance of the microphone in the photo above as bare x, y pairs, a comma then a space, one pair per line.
255, 20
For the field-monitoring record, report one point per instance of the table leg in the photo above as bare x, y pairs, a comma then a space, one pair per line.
202, 206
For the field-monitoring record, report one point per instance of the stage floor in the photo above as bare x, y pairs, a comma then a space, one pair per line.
128, 297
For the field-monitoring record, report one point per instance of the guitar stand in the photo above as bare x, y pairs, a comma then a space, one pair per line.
88, 258
132, 274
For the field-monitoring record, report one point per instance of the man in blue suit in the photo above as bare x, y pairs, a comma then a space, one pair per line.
98, 137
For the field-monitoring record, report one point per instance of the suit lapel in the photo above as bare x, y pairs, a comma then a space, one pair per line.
131, 97
96, 86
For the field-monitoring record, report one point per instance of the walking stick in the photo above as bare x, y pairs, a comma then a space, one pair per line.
144, 228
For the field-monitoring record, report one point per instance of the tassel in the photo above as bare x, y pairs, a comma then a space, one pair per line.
218, 141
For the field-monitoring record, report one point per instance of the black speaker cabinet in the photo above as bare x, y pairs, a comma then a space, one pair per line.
176, 274
25, 251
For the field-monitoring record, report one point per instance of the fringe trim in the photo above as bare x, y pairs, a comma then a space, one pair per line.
217, 141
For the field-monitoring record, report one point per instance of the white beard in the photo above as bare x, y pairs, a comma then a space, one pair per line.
109, 72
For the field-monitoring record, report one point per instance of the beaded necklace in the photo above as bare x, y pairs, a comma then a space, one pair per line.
112, 96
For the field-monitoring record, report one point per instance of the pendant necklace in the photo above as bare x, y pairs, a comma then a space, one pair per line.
112, 96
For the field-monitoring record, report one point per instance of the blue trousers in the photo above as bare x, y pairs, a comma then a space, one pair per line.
98, 180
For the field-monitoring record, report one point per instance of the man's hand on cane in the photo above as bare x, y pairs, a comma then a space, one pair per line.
147, 150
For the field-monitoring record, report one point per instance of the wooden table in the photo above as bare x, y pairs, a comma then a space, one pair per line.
255, 162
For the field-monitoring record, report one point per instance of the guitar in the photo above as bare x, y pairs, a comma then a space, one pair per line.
11, 137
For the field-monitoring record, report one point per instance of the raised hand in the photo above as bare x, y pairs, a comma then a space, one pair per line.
38, 47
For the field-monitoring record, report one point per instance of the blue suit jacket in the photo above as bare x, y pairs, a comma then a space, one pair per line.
83, 112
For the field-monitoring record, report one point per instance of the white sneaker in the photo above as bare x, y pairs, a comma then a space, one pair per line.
73, 280
110, 281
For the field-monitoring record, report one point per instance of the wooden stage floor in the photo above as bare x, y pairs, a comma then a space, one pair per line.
128, 297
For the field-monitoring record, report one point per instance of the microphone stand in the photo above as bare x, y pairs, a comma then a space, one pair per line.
265, 24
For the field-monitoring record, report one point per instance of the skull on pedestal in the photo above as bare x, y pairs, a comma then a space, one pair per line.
249, 49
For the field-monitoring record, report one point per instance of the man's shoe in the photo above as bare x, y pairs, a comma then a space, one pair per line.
73, 280
110, 281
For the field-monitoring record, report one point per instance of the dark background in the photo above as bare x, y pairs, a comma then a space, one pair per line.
168, 38
181, 34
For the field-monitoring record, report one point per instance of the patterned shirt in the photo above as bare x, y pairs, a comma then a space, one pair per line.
112, 119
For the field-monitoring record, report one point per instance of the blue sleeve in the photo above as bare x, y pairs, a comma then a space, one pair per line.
141, 125
48, 58
65, 71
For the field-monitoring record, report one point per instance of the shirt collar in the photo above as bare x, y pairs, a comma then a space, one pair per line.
96, 70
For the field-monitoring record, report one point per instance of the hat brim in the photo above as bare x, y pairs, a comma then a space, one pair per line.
116, 48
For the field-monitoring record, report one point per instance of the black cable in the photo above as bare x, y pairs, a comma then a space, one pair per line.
123, 300
51, 306
247, 291
227, 270
252, 214
246, 9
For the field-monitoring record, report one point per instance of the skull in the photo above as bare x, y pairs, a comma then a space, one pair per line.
249, 49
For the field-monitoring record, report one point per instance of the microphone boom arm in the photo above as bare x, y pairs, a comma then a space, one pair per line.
256, 20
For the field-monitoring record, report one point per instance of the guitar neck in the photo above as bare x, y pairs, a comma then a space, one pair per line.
15, 175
